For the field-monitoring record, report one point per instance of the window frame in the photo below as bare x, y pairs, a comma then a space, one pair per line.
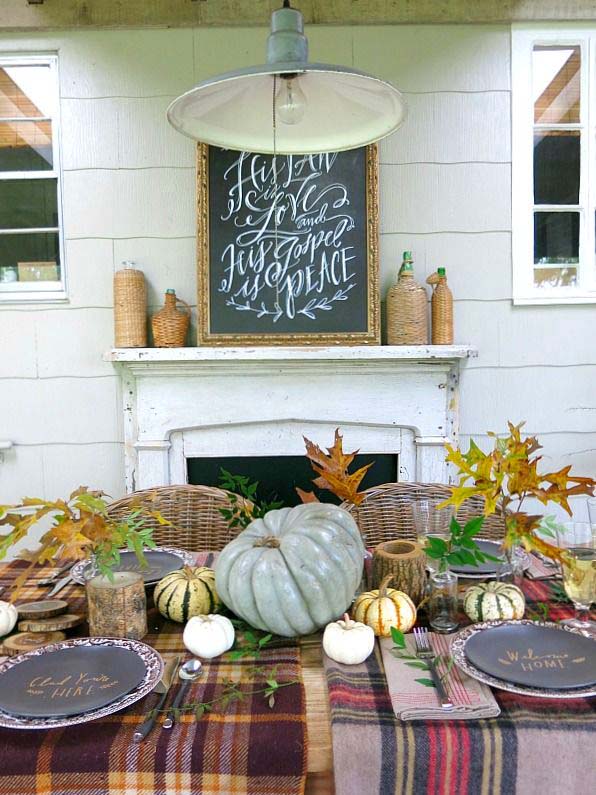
49, 291
523, 39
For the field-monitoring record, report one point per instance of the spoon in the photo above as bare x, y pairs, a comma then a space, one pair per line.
189, 672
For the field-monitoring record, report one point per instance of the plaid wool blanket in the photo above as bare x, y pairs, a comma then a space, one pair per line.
536, 746
244, 747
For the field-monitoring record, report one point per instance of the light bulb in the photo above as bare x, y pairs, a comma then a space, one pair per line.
290, 100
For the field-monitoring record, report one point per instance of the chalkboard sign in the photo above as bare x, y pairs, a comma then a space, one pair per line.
300, 270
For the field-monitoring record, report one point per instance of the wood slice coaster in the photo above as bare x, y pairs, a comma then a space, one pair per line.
27, 641
47, 608
64, 621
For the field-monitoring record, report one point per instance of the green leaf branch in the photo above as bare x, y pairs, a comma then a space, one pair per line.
244, 503
399, 650
233, 691
459, 548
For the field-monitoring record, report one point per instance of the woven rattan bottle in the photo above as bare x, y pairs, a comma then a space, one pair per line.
130, 308
441, 309
170, 324
406, 308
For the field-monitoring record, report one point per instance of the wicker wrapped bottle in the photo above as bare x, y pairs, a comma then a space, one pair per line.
170, 324
406, 308
130, 308
441, 309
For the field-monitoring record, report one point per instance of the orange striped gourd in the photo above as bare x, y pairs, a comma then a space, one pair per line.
385, 608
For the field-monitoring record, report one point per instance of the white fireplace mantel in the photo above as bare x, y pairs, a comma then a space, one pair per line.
182, 403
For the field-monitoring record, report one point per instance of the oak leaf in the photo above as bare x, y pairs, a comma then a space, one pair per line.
332, 469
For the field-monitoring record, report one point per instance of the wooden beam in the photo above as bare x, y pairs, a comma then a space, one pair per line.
69, 14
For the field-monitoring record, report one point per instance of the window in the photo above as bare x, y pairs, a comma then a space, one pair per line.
31, 247
554, 164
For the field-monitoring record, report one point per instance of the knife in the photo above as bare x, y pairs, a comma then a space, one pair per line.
163, 687
51, 579
59, 586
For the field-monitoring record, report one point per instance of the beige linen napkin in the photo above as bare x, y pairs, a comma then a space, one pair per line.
541, 570
412, 700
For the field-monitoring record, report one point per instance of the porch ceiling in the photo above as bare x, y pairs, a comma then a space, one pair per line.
51, 14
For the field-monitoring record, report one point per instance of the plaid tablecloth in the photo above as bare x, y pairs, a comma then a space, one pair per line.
540, 746
246, 748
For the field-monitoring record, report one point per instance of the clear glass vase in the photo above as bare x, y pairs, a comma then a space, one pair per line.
442, 601
512, 568
91, 570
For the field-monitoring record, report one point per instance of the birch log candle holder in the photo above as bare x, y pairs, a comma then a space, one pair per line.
117, 608
406, 561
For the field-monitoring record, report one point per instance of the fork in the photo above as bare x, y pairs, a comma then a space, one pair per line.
424, 652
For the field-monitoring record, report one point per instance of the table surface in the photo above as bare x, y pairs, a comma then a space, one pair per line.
319, 755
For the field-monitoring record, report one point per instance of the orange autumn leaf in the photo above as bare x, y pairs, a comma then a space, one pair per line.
332, 469
306, 496
508, 474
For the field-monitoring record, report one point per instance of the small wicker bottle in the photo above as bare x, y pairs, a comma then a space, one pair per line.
406, 308
170, 324
130, 308
441, 309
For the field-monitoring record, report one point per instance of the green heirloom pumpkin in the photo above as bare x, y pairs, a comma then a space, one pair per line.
494, 601
294, 570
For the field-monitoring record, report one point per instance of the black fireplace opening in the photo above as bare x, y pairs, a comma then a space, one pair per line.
278, 476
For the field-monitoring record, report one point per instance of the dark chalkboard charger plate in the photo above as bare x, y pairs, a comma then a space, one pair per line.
47, 608
69, 681
534, 656
57, 623
160, 561
490, 567
28, 641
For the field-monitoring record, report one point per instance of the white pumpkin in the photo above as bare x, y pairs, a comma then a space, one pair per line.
348, 642
208, 636
8, 617
494, 601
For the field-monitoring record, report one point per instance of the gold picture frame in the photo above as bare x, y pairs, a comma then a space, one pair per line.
368, 310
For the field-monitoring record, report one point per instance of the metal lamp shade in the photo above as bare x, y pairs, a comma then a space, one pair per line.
340, 107
345, 109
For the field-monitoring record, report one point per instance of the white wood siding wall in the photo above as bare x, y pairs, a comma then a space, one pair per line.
129, 194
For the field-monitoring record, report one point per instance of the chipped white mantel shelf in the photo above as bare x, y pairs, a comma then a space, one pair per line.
365, 354
182, 403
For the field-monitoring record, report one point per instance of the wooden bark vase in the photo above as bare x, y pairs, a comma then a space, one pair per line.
406, 561
118, 608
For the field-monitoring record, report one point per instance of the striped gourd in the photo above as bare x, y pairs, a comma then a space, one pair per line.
385, 608
186, 593
494, 601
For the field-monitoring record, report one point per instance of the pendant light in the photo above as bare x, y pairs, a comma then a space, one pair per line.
288, 105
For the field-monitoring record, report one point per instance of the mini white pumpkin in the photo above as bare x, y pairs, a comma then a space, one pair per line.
208, 636
494, 601
8, 617
348, 642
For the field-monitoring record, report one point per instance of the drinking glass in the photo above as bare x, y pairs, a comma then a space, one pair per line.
430, 520
442, 601
579, 571
592, 513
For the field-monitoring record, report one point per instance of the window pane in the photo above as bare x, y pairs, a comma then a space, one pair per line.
33, 257
556, 84
556, 167
26, 91
26, 146
555, 277
27, 203
556, 238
